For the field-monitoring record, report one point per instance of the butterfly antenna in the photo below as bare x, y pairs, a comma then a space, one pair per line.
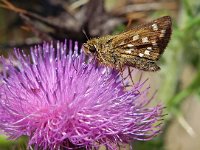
85, 34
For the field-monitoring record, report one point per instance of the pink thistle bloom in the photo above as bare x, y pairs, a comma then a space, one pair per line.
60, 102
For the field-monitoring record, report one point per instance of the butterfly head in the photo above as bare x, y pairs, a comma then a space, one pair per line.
90, 47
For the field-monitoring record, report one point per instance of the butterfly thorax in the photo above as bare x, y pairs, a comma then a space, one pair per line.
103, 49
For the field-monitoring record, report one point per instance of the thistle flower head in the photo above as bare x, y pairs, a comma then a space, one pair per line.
59, 101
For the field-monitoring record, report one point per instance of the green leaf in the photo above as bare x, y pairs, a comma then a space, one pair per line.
180, 97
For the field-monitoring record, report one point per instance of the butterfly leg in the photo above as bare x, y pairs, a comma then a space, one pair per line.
121, 70
129, 24
123, 79
130, 75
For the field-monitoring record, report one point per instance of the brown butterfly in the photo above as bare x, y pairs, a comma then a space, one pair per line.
139, 47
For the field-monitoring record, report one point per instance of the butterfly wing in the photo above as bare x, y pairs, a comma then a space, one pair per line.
146, 41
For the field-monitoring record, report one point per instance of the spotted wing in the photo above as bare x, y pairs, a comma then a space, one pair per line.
146, 41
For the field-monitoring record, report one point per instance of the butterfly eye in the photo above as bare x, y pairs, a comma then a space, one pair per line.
92, 49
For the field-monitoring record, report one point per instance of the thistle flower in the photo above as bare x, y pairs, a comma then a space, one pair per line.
61, 102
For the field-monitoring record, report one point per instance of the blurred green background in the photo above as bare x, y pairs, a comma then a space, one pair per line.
178, 82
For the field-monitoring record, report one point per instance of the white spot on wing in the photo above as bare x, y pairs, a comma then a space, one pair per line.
155, 27
141, 55
162, 33
145, 40
149, 48
146, 52
122, 43
136, 37
154, 43
129, 51
130, 45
